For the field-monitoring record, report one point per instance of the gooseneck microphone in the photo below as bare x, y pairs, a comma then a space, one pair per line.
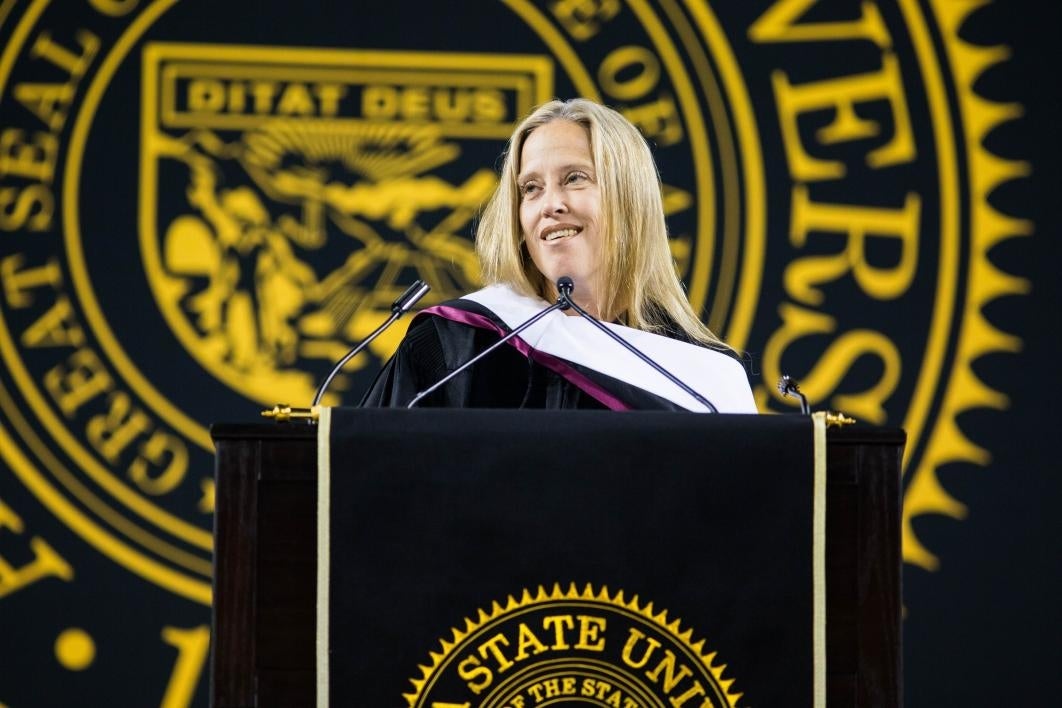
565, 286
561, 304
399, 307
787, 386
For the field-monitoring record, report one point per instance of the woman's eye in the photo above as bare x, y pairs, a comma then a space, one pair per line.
528, 189
576, 177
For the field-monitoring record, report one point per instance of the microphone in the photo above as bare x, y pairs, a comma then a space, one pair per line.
787, 386
561, 304
399, 307
565, 286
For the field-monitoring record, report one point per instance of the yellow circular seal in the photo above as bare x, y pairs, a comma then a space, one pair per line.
569, 646
200, 217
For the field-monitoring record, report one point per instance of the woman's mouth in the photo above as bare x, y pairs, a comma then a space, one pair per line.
555, 233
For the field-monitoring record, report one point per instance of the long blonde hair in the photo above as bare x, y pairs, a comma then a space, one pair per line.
639, 280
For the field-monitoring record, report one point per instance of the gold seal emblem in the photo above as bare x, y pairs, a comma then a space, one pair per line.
560, 646
199, 216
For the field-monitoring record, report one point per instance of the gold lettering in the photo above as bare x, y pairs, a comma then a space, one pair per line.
112, 432
824, 377
491, 646
50, 101
420, 103
166, 453
73, 64
526, 639
452, 105
414, 103
206, 96
695, 690
193, 647
77, 382
629, 72
589, 630
55, 328
857, 224
329, 95
34, 160
469, 669
46, 101
632, 642
296, 101
488, 106
842, 95
667, 667
560, 623
46, 561
18, 282
779, 24
237, 97
263, 91
31, 207
583, 18
658, 120
379, 102
215, 96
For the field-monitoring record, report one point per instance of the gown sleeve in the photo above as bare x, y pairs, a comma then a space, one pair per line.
418, 363
432, 348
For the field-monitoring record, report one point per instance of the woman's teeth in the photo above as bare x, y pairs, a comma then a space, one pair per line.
561, 234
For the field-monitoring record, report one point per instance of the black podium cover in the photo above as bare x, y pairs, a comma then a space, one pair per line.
503, 559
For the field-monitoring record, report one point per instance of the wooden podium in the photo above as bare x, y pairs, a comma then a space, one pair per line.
262, 651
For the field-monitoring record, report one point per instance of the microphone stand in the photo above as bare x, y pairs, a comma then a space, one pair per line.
565, 286
787, 386
399, 307
561, 304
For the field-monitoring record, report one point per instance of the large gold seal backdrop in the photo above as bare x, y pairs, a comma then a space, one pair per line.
202, 205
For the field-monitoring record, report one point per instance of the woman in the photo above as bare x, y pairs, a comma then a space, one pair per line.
578, 196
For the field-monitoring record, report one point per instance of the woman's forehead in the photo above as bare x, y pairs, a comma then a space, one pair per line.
558, 142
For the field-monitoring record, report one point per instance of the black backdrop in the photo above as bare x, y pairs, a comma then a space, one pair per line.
120, 620
989, 609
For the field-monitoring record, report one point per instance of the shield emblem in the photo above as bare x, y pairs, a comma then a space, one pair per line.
289, 195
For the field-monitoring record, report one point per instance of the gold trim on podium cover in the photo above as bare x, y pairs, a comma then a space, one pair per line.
818, 561
818, 530
324, 517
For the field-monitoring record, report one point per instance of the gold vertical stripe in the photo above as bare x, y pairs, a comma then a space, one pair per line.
324, 517
818, 561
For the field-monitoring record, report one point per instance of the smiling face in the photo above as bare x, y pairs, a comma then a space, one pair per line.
560, 207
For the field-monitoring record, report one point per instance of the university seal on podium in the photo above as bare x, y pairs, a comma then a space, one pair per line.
569, 646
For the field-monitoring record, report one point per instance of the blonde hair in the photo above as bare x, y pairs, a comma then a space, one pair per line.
639, 280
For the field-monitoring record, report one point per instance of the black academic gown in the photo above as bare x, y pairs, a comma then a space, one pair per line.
435, 346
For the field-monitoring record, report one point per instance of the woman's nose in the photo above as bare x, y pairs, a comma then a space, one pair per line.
553, 202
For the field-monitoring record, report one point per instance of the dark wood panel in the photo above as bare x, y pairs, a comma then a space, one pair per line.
233, 647
265, 567
863, 566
